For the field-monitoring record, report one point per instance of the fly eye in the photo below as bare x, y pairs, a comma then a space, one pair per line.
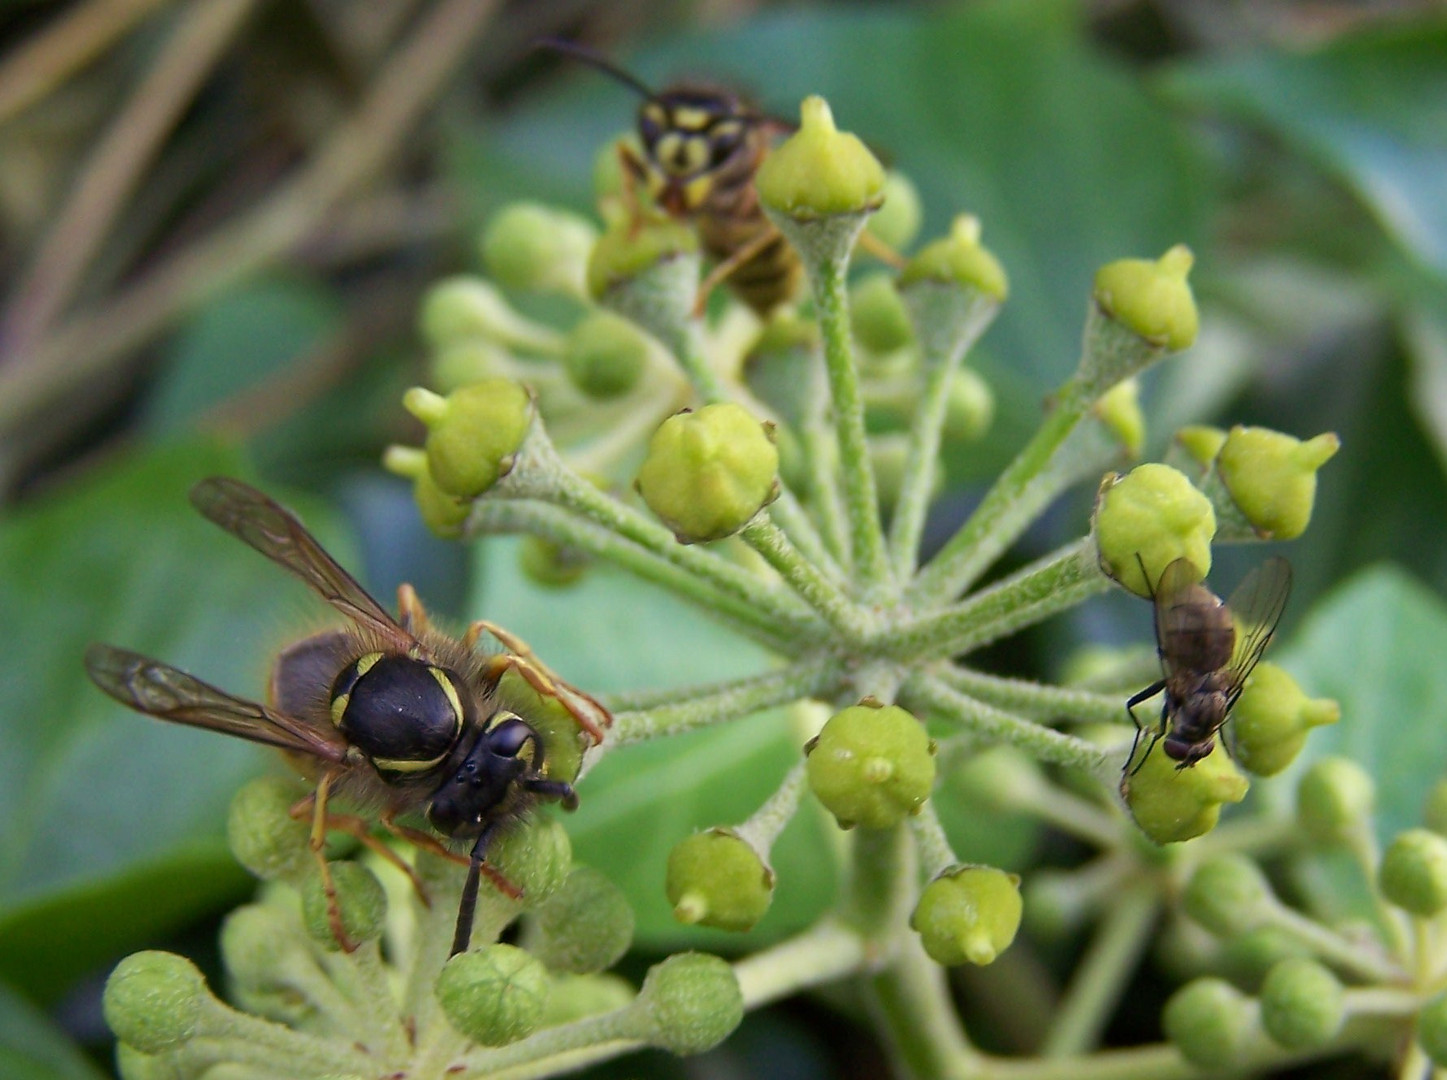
508, 738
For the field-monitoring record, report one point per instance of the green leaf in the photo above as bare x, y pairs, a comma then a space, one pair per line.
32, 1048
1376, 645
610, 631
1369, 108
113, 822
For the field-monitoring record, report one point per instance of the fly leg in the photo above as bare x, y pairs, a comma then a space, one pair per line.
1145, 695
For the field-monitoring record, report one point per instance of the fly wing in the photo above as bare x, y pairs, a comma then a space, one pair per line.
1175, 583
274, 531
160, 690
1256, 607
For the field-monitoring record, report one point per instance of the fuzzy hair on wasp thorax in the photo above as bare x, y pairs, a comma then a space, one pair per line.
388, 715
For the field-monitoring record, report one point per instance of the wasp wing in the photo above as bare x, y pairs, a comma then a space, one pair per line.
160, 690
274, 531
1256, 607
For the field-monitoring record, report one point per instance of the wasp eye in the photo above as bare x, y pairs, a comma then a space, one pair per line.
508, 738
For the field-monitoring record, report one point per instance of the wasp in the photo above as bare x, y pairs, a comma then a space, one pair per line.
1207, 649
701, 146
388, 715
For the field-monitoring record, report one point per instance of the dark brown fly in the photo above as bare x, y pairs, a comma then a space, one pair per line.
388, 715
702, 146
1207, 650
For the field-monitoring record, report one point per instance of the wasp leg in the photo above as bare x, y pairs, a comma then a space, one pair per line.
1145, 695
881, 251
413, 616
721, 272
420, 839
536, 674
362, 830
476, 867
635, 175
560, 790
318, 808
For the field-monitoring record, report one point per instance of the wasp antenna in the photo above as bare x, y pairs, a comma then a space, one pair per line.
594, 59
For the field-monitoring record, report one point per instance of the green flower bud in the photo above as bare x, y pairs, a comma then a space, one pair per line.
1152, 515
716, 878
1151, 298
536, 248
586, 925
155, 1000
605, 355
574, 997
551, 564
1249, 956
537, 857
709, 472
969, 406
463, 363
1229, 895
896, 223
1272, 477
1272, 717
360, 899
257, 940
1210, 1021
1171, 804
1302, 1004
1201, 442
692, 1002
960, 259
1434, 813
630, 247
871, 765
263, 835
1119, 409
877, 314
1413, 873
465, 308
495, 995
444, 514
820, 171
472, 433
1432, 1030
1334, 798
968, 914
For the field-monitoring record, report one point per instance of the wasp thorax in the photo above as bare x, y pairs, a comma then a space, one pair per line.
486, 778
405, 715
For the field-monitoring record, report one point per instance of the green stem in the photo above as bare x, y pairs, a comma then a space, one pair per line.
824, 953
1037, 701
881, 882
821, 451
808, 678
1100, 977
925, 693
805, 579
861, 501
912, 1005
1047, 586
1340, 951
935, 853
768, 821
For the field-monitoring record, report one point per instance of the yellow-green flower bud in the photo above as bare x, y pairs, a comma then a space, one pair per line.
1302, 1004
968, 914
1201, 442
1434, 813
495, 995
896, 223
444, 514
361, 902
263, 835
709, 472
692, 1002
630, 247
1413, 873
820, 171
463, 363
154, 1000
1334, 798
1229, 895
574, 997
1152, 298
716, 878
871, 765
1272, 477
551, 564
605, 355
969, 406
472, 433
877, 314
536, 856
586, 926
257, 942
1119, 409
1432, 1030
466, 308
1210, 1022
536, 248
960, 259
1152, 515
1271, 720
1171, 804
